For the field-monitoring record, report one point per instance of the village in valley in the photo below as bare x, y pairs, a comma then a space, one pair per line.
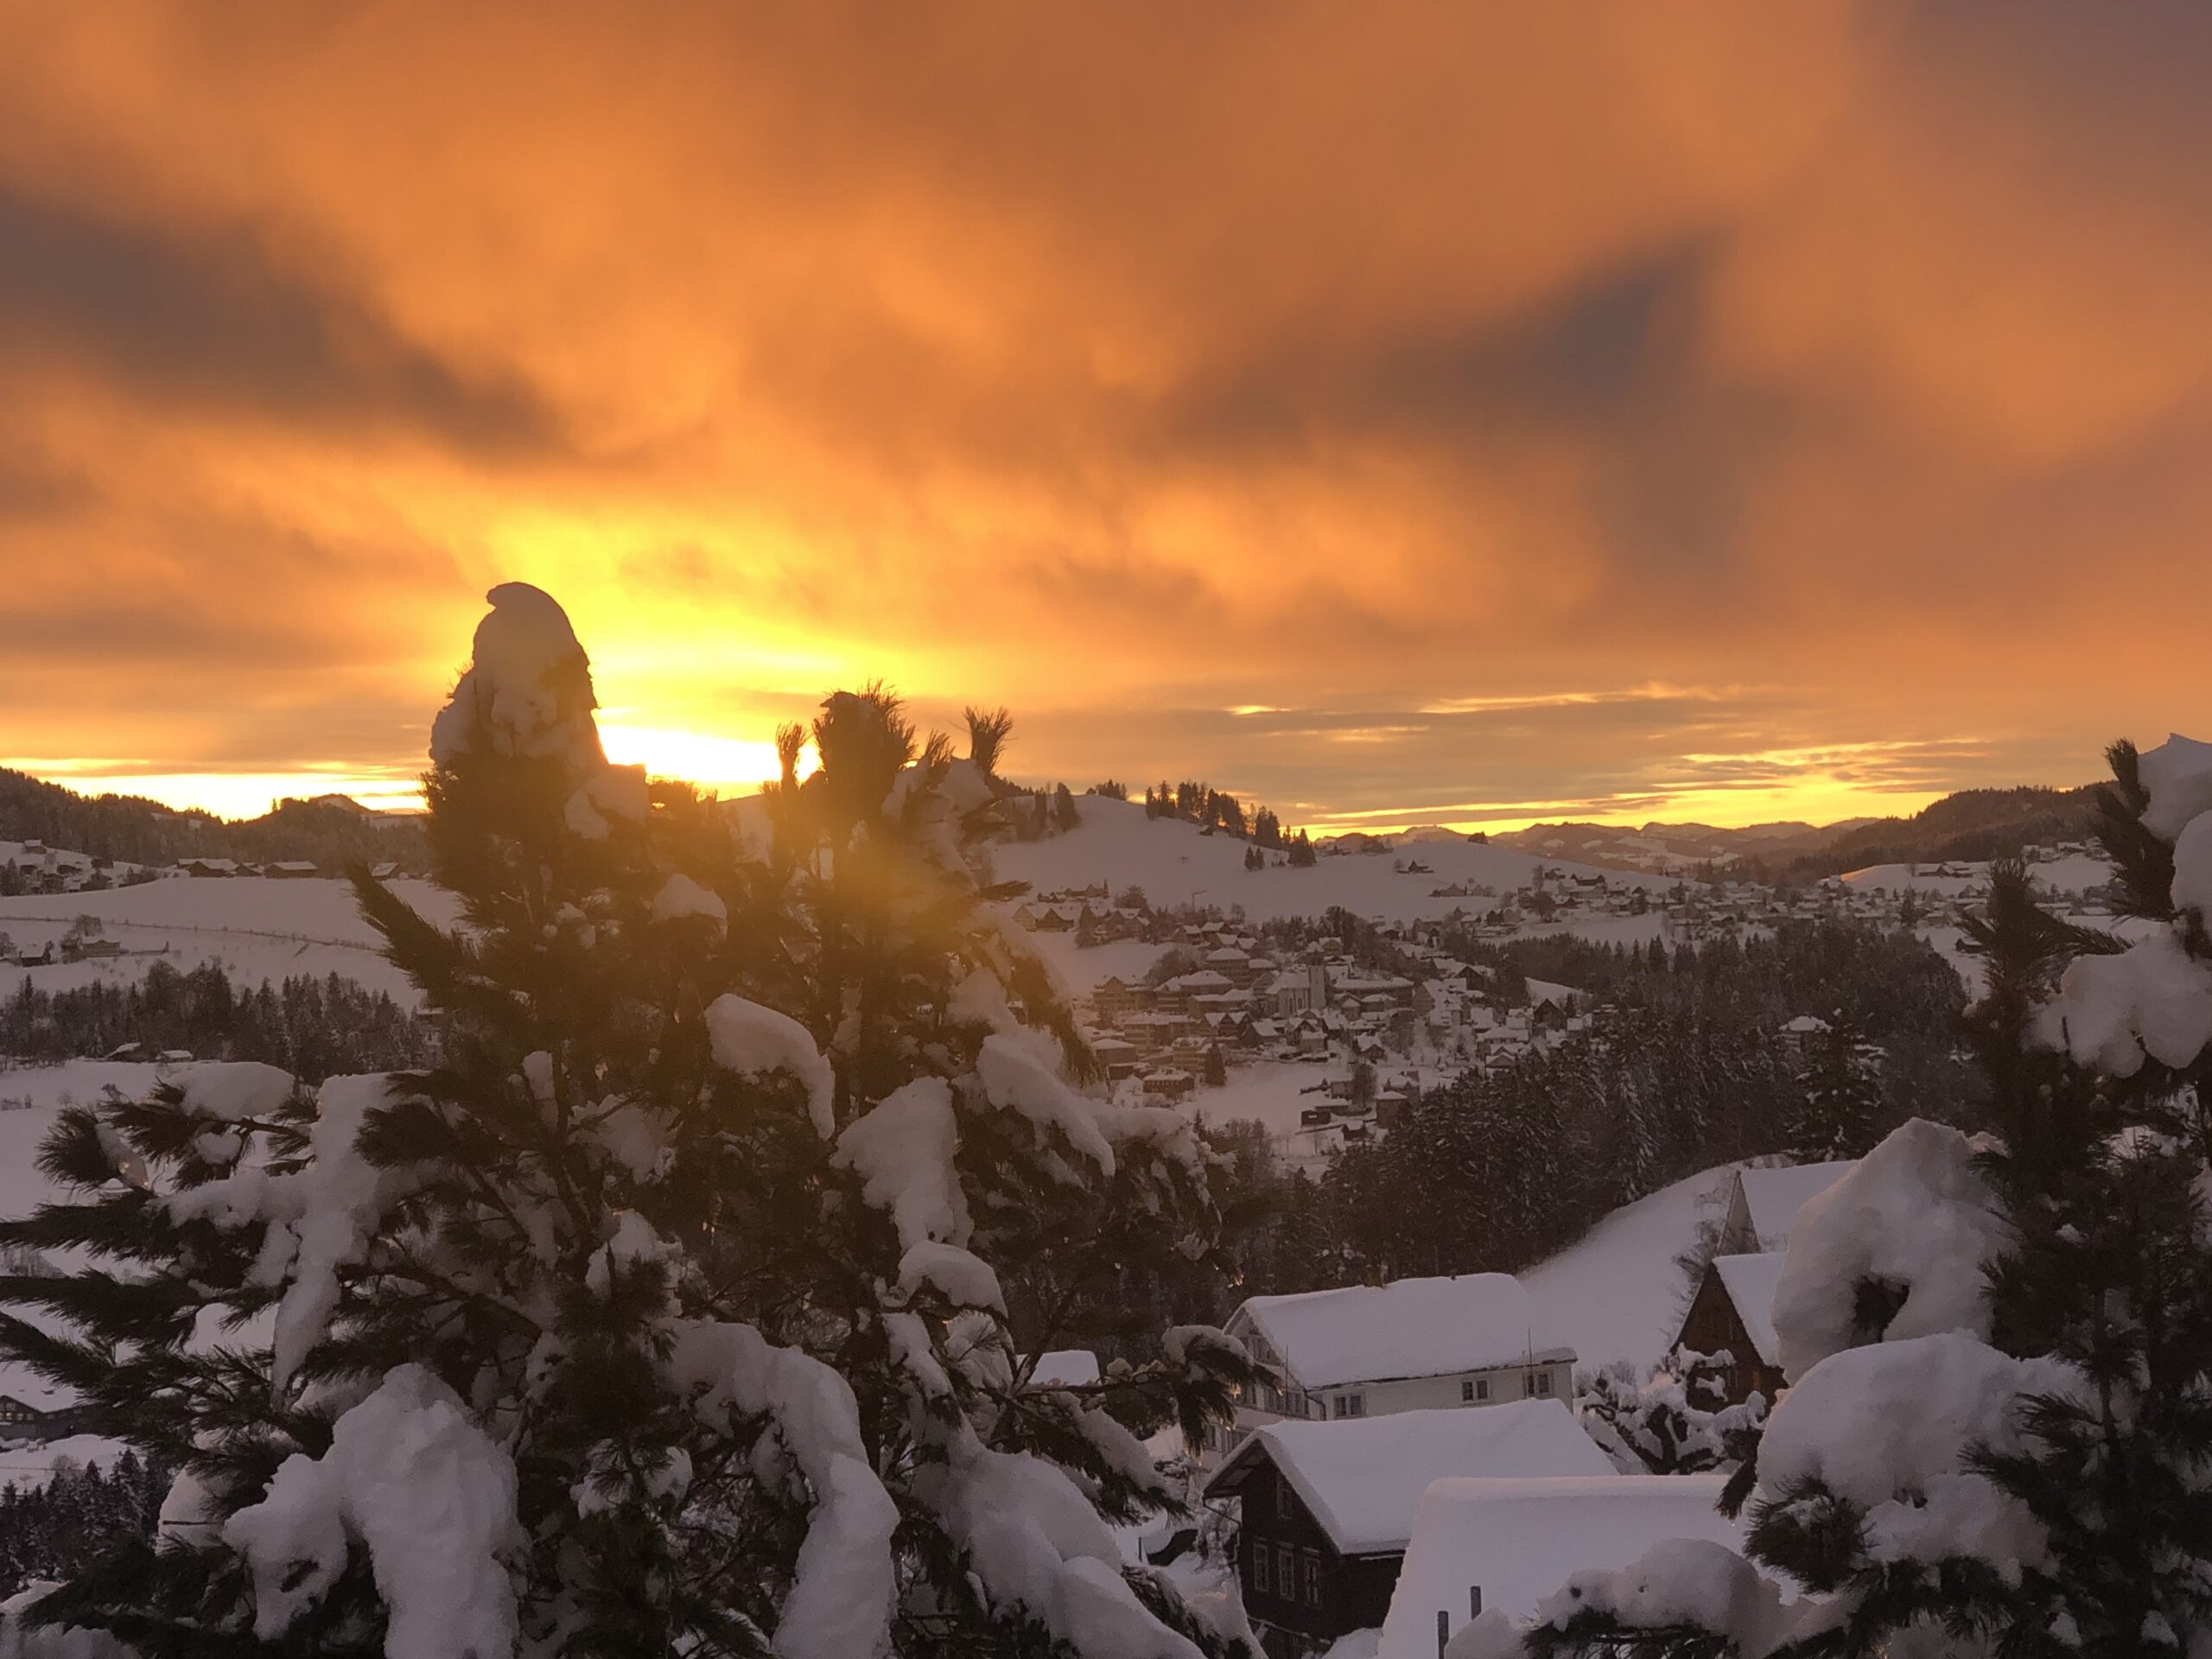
1410, 1424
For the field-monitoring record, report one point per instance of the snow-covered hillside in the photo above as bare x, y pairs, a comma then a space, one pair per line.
1176, 863
1618, 1293
258, 929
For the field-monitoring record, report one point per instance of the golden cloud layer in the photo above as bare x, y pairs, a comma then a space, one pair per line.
1574, 406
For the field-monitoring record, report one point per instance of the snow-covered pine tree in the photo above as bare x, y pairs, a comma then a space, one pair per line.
1998, 1436
1836, 1105
658, 1318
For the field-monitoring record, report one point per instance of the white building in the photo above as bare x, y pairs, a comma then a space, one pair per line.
1371, 1350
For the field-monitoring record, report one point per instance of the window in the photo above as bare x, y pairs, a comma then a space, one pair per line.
1528, 1384
1312, 1578
1260, 1566
1466, 1391
1350, 1405
1286, 1572
1482, 1387
1543, 1381
1283, 1511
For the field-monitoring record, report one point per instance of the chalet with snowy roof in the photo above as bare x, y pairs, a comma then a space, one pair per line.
1762, 1203
1508, 1544
1373, 1350
32, 1409
1732, 1313
1326, 1511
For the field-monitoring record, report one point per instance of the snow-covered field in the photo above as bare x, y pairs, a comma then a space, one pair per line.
2072, 872
1176, 863
257, 928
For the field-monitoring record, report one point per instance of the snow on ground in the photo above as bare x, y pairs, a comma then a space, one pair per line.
1082, 970
2071, 873
24, 1467
1175, 863
256, 928
1617, 1293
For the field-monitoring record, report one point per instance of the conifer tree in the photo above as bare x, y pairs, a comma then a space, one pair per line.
659, 1316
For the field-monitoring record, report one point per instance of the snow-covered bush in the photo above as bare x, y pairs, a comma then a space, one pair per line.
1998, 1434
1677, 1422
661, 1316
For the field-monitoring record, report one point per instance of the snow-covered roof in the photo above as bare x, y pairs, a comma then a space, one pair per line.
1749, 1281
1065, 1368
1773, 1196
1518, 1541
1362, 1478
1415, 1327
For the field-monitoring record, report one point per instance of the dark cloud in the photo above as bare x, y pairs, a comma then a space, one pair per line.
205, 319
1450, 376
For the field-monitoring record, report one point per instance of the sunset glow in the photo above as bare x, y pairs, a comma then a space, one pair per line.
1486, 414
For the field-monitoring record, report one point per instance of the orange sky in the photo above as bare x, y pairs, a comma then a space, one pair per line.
1469, 412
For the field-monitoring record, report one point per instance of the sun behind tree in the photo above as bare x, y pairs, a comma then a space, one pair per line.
660, 1315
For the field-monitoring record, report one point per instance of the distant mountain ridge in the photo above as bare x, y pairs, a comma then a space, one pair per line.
1972, 824
330, 830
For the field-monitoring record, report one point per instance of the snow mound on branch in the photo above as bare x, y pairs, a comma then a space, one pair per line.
1678, 1582
1914, 1216
320, 1217
528, 686
1018, 1076
752, 1042
229, 1090
680, 896
961, 1276
843, 1582
2178, 776
2192, 888
607, 792
1887, 1427
2152, 999
411, 1477
1036, 1543
902, 1149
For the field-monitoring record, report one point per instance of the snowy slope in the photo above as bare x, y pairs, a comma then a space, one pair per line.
1175, 863
258, 929
1617, 1293
2073, 873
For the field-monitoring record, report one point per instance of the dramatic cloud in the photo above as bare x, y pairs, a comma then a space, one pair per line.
1728, 411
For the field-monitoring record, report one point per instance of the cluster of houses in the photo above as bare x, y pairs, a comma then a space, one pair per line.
32, 867
286, 869
74, 948
1417, 1459
1090, 913
1243, 1002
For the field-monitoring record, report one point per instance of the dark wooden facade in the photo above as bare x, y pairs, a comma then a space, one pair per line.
1713, 1325
1328, 1594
